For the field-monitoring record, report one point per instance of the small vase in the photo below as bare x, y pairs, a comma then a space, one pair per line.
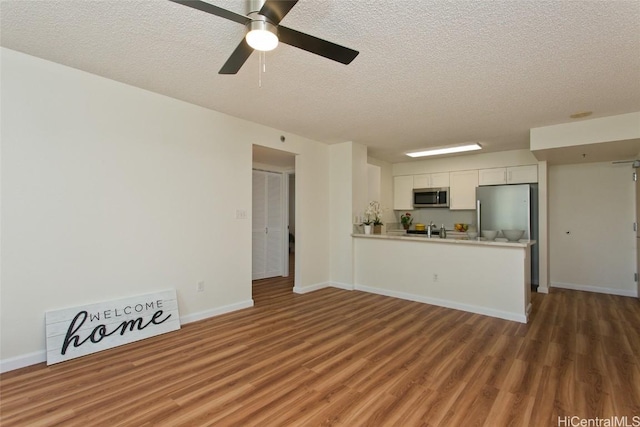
406, 226
377, 229
367, 229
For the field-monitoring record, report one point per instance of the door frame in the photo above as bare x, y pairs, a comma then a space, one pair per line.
284, 218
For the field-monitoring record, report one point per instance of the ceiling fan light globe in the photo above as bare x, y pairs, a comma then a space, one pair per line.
262, 40
262, 35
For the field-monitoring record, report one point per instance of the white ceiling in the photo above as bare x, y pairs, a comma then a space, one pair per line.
429, 73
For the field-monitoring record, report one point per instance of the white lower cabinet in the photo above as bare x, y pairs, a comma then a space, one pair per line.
462, 190
403, 192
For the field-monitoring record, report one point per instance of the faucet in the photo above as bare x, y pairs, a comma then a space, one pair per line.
430, 227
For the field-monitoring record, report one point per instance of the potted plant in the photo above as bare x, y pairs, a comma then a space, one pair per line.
373, 215
406, 220
367, 225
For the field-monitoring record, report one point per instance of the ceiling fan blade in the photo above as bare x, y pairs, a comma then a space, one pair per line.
315, 45
214, 10
275, 10
237, 58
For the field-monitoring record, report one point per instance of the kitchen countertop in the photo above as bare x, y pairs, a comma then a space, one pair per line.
450, 239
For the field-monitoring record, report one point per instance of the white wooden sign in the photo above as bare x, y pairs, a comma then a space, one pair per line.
78, 331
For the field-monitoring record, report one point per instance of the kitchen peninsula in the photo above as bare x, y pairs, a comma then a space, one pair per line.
485, 277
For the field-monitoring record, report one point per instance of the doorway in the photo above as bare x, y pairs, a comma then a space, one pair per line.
273, 214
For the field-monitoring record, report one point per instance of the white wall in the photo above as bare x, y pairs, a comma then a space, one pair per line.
110, 191
340, 215
348, 189
386, 189
486, 279
592, 242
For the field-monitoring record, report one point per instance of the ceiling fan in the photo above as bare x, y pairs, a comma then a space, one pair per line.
264, 31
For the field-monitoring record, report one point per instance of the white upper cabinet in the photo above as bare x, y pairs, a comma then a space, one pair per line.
510, 175
440, 180
422, 181
462, 190
403, 192
522, 174
495, 176
431, 180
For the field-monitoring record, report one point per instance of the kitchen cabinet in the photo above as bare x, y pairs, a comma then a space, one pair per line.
511, 175
431, 180
522, 174
462, 190
403, 192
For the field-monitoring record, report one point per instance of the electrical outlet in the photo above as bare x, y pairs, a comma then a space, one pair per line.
200, 286
241, 214
435, 277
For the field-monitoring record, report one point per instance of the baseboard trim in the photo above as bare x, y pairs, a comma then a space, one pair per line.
542, 290
201, 315
310, 288
339, 285
36, 357
522, 318
23, 361
596, 289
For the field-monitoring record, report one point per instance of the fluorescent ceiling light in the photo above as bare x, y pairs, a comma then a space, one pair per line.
446, 150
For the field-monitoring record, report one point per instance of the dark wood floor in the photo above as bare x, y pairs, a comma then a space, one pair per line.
348, 358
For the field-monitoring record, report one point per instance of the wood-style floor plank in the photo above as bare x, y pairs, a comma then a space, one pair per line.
348, 358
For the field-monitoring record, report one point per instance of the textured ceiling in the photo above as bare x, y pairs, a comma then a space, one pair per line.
429, 73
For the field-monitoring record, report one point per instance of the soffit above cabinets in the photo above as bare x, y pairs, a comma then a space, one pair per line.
591, 153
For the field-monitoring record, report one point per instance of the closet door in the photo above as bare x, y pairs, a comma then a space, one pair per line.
259, 225
274, 225
267, 236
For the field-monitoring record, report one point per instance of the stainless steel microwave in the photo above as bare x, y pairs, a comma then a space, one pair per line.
431, 197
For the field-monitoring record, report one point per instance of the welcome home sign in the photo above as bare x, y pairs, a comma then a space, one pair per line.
78, 331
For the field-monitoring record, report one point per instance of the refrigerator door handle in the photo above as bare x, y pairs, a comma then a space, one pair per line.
478, 207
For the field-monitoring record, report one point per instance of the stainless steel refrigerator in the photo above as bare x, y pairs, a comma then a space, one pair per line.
510, 207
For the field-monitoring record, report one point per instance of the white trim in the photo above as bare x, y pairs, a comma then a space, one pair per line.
522, 318
36, 357
284, 205
597, 289
201, 315
542, 290
23, 361
339, 285
311, 288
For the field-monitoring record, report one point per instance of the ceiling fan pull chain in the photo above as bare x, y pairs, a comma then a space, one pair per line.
262, 67
260, 59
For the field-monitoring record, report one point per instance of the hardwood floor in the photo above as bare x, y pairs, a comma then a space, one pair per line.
349, 358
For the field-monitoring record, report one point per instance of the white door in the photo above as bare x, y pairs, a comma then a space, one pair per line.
274, 225
259, 225
267, 217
